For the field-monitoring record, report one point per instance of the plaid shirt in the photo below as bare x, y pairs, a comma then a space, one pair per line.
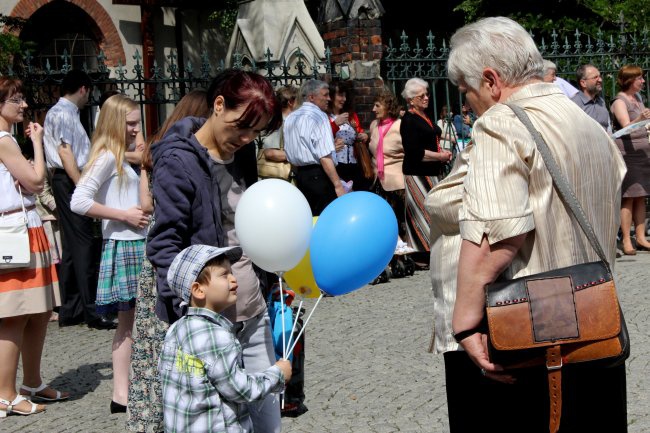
205, 388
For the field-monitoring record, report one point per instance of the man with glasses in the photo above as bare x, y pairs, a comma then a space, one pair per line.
67, 149
589, 99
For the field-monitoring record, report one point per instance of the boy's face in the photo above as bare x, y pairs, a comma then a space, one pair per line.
221, 291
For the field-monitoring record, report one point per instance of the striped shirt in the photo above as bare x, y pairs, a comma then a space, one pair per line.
308, 136
500, 188
205, 389
62, 124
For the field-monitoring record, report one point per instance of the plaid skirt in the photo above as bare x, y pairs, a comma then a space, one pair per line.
118, 275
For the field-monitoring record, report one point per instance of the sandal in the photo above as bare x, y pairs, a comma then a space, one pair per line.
11, 407
36, 394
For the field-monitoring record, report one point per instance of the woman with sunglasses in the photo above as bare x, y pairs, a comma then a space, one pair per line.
28, 294
424, 160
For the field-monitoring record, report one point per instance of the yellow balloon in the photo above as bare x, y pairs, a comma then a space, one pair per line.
301, 278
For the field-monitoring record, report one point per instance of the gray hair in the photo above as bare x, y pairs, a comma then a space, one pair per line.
498, 43
311, 87
412, 88
548, 65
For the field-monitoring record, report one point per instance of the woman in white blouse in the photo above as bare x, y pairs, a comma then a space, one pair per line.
108, 189
29, 293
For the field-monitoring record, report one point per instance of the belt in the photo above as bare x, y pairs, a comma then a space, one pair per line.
20, 209
309, 167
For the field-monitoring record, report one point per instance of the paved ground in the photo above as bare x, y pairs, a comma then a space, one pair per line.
367, 369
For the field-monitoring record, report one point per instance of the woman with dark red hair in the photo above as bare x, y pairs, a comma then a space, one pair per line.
196, 186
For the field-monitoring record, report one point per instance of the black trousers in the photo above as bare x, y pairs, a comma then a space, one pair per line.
80, 260
314, 184
354, 172
593, 399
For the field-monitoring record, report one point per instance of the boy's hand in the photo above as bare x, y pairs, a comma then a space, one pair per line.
285, 367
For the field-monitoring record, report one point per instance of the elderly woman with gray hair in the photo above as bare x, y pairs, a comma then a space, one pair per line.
497, 215
423, 163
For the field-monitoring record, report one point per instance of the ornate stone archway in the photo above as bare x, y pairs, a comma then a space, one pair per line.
110, 42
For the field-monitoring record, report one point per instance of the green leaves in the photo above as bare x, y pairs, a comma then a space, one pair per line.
589, 16
10, 44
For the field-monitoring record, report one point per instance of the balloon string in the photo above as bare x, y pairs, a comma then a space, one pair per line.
306, 321
284, 344
293, 328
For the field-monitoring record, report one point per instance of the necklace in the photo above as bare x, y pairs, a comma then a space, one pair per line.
426, 119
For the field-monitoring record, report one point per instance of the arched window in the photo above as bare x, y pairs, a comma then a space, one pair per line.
59, 27
79, 47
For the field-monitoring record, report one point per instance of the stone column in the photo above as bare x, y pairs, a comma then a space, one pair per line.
352, 31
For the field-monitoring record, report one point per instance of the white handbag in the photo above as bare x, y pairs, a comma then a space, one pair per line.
14, 239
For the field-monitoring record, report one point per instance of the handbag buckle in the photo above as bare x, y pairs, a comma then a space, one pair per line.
554, 367
554, 358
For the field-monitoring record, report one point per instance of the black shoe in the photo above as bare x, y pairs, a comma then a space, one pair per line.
69, 322
102, 323
397, 267
117, 408
384, 277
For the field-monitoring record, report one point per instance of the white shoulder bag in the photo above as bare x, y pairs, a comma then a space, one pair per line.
14, 239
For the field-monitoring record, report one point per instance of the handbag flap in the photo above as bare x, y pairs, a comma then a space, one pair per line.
515, 322
272, 169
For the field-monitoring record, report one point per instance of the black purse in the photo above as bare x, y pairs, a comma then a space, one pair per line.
563, 316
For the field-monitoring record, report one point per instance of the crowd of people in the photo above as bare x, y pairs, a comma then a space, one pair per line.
192, 322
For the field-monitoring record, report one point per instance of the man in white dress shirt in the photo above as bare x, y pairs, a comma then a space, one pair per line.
67, 149
309, 144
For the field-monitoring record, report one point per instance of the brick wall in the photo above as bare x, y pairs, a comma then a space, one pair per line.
110, 41
357, 43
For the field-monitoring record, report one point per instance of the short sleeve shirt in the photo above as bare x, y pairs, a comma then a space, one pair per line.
308, 136
62, 124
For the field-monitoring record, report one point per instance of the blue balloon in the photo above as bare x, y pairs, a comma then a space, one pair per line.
352, 242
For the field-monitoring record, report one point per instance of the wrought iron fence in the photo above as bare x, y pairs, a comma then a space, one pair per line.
568, 52
163, 85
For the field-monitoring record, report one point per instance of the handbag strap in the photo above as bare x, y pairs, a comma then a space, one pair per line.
560, 182
22, 202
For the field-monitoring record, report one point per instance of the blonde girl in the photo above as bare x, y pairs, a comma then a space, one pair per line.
108, 189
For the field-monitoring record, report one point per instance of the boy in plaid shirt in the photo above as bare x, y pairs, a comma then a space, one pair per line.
205, 388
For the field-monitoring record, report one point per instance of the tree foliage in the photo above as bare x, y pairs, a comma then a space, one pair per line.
10, 44
588, 16
226, 17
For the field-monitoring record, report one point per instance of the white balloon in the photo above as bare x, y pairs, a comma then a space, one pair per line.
273, 222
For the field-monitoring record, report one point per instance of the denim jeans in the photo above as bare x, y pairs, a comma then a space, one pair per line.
255, 337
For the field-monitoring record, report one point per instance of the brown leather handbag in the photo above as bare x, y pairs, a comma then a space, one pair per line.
563, 316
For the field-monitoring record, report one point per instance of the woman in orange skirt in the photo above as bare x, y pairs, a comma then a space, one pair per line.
27, 294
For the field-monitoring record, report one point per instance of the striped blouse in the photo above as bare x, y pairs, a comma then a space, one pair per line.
501, 188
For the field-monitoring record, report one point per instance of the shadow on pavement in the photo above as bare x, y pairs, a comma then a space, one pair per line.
83, 380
